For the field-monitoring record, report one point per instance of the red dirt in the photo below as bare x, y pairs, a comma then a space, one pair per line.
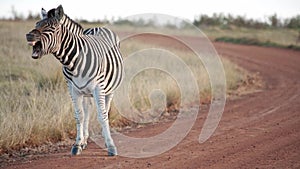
257, 130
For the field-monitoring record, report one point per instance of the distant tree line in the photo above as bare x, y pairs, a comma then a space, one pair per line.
229, 20
224, 21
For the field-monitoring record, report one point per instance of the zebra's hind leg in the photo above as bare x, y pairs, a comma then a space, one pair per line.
109, 143
103, 119
108, 99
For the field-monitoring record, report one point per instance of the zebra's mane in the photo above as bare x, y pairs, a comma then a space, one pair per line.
78, 27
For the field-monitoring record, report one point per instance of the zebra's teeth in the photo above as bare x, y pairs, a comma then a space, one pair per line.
35, 55
31, 43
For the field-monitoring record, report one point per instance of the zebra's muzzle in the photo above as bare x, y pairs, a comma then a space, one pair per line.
33, 36
34, 40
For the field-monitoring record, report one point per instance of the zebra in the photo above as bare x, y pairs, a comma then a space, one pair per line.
92, 66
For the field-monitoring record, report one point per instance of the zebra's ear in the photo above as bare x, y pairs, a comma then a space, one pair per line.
59, 12
43, 13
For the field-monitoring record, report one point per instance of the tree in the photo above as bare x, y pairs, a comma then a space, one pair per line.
274, 20
15, 14
32, 16
293, 23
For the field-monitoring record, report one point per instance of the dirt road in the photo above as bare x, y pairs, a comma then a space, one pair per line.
258, 130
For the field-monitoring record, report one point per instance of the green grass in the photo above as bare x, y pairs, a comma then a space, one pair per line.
35, 106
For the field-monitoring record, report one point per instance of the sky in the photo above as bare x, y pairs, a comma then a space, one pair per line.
184, 9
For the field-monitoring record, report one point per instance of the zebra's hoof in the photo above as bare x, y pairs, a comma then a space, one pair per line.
84, 146
112, 151
76, 150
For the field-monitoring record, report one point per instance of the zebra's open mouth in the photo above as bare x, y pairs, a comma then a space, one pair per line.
33, 39
36, 50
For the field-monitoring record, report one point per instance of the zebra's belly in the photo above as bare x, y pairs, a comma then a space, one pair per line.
88, 87
84, 87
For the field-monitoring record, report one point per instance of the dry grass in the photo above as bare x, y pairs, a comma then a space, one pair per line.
35, 105
279, 36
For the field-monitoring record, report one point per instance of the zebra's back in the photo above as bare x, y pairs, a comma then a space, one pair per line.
106, 34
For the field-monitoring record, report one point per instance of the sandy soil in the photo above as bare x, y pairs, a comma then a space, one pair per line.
257, 130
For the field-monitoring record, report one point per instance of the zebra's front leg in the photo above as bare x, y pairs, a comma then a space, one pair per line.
103, 119
86, 104
79, 116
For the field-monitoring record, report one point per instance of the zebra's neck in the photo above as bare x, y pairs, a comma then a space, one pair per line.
69, 49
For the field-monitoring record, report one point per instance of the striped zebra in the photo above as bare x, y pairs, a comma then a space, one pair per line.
92, 66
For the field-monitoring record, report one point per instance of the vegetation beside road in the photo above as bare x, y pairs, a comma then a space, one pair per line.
35, 106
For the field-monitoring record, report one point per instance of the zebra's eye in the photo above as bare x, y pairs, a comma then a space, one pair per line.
40, 24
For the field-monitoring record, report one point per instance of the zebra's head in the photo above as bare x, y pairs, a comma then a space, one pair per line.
45, 38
